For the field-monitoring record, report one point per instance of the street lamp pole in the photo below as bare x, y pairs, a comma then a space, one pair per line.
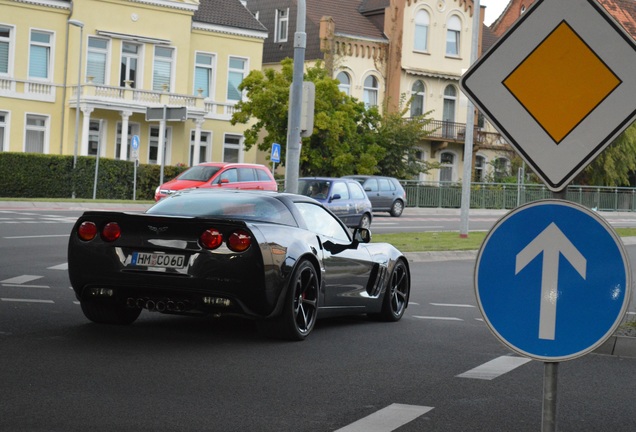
79, 24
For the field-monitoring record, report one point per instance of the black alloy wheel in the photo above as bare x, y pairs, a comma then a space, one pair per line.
301, 309
397, 293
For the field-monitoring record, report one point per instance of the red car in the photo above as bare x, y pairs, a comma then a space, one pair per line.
220, 175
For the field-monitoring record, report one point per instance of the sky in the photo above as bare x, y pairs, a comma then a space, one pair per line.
493, 9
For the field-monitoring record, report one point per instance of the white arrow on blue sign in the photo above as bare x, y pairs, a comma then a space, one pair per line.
275, 157
552, 280
134, 142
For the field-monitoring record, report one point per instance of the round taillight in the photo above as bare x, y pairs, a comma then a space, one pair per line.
211, 239
239, 241
87, 231
111, 231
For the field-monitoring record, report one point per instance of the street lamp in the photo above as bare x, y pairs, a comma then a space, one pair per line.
79, 24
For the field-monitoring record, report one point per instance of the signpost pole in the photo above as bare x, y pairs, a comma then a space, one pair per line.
160, 150
550, 381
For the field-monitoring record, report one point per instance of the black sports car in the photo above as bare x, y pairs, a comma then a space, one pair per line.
280, 258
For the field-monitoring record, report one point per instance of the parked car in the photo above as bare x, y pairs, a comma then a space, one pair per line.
220, 175
281, 259
344, 197
385, 193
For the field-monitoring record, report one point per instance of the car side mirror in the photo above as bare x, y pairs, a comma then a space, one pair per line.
224, 181
335, 197
362, 235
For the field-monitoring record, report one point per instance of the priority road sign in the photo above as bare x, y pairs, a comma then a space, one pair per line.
559, 86
552, 280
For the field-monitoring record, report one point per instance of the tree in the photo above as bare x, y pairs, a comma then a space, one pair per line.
347, 138
340, 141
399, 137
615, 164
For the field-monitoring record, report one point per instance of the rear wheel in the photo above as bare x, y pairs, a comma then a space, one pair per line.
397, 208
365, 221
301, 306
397, 293
107, 312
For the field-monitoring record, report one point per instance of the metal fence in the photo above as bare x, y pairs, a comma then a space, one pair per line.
509, 195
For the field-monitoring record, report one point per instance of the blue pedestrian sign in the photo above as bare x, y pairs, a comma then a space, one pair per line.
275, 153
552, 280
134, 142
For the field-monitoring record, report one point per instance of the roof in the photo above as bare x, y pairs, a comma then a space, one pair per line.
347, 17
625, 13
230, 13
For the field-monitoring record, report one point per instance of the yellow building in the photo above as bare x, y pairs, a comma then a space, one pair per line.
126, 56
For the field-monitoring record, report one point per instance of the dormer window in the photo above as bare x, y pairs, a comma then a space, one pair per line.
282, 24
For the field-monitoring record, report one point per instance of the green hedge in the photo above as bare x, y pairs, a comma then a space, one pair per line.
28, 175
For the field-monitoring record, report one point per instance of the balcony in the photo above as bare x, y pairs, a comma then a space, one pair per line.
444, 131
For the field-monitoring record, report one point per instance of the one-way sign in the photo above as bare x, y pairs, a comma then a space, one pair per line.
552, 280
559, 86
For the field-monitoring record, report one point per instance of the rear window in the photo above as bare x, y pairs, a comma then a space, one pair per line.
249, 207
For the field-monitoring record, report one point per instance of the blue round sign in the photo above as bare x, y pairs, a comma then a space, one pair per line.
134, 142
552, 280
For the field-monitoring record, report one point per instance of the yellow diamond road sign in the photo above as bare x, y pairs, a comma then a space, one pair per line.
559, 86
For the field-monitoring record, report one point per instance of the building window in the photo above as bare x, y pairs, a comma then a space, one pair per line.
5, 48
94, 137
35, 133
153, 145
282, 25
162, 69
448, 114
422, 21
236, 73
204, 147
370, 96
96, 56
417, 98
501, 167
453, 30
447, 170
40, 55
231, 148
203, 74
129, 64
3, 130
480, 166
344, 83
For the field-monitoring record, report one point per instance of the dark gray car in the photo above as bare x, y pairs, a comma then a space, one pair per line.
385, 193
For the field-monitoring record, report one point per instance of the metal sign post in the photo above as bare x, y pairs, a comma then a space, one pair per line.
134, 144
164, 114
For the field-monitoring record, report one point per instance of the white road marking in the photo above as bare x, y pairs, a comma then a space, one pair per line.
453, 305
59, 267
38, 236
21, 279
387, 419
26, 300
495, 368
25, 286
438, 318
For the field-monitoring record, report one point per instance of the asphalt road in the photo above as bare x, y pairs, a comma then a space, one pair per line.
438, 369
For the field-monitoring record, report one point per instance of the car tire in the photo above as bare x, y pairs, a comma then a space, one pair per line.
397, 208
300, 308
396, 296
365, 221
107, 312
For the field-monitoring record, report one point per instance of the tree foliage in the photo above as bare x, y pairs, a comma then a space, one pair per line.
347, 137
615, 164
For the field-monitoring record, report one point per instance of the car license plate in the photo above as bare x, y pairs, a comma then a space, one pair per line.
157, 260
